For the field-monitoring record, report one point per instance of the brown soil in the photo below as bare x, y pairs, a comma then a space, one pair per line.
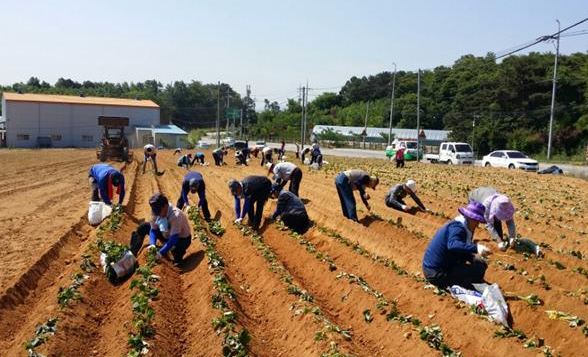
43, 223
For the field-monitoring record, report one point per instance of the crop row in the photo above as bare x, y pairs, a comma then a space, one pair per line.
430, 334
305, 299
70, 293
235, 342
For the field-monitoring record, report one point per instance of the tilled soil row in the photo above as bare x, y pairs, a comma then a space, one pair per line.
262, 304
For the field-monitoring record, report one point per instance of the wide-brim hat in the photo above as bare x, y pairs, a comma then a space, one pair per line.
501, 208
474, 210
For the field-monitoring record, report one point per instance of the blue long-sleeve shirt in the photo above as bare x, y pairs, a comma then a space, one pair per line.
186, 187
101, 173
449, 247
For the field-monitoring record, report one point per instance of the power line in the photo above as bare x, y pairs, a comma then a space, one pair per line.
542, 39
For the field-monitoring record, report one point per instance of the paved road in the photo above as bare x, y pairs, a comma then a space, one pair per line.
572, 170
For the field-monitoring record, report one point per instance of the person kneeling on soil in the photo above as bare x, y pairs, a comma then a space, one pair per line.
290, 209
284, 172
198, 158
150, 153
452, 258
396, 194
499, 208
348, 181
103, 178
185, 161
194, 183
256, 191
169, 225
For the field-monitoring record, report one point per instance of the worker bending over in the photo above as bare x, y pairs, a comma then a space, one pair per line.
290, 209
150, 153
395, 197
284, 172
194, 183
499, 208
266, 155
255, 190
218, 156
185, 161
348, 181
452, 258
198, 158
103, 179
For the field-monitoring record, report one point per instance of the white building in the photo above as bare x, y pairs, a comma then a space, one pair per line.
69, 121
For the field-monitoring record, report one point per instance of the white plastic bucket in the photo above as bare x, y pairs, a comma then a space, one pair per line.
97, 212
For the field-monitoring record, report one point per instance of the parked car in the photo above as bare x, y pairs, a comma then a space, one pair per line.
453, 153
202, 145
410, 152
511, 159
260, 144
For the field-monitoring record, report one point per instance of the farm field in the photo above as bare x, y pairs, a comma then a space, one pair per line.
342, 287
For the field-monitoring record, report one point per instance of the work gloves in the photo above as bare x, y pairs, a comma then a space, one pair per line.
483, 250
239, 220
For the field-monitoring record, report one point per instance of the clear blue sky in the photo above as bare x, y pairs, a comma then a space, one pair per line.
272, 45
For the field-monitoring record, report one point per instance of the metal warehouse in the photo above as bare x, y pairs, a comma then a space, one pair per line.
69, 121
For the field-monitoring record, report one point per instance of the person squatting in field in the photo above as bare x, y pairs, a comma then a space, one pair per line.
194, 183
452, 258
290, 209
284, 172
241, 157
303, 154
348, 181
499, 208
282, 150
185, 161
103, 178
150, 153
255, 190
396, 195
315, 155
218, 156
266, 155
399, 157
198, 158
169, 225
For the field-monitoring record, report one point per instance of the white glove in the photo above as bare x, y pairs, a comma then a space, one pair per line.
151, 246
503, 246
483, 250
238, 220
405, 208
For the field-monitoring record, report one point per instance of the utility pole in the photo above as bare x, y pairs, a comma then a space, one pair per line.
248, 90
241, 126
476, 116
306, 111
553, 93
418, 112
302, 119
218, 117
392, 105
227, 111
367, 110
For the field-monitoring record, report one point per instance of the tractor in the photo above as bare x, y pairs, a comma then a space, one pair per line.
114, 144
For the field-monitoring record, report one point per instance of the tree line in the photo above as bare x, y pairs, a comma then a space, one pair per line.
509, 101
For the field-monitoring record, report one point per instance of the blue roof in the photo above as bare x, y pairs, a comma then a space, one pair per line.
434, 135
164, 129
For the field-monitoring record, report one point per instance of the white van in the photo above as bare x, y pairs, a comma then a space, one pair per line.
453, 153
